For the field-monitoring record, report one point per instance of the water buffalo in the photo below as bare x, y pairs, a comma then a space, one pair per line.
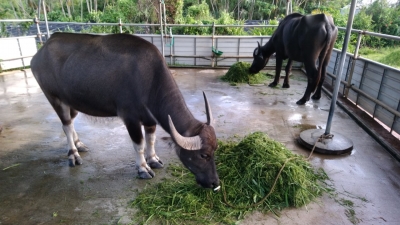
304, 39
125, 76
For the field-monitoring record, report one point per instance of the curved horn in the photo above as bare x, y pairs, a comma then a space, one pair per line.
208, 111
188, 143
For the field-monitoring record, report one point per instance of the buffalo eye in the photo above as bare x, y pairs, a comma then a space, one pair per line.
205, 156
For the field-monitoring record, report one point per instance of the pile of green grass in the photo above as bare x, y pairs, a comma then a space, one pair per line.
239, 73
256, 173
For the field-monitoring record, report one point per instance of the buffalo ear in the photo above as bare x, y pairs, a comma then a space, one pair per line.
255, 53
259, 48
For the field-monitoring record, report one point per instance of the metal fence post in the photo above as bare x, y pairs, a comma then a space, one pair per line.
39, 35
20, 52
212, 44
120, 25
161, 29
45, 19
353, 65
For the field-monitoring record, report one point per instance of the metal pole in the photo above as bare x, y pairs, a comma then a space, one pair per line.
45, 19
341, 65
287, 7
165, 18
161, 29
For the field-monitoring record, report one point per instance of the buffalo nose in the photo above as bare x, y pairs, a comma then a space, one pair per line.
216, 186
251, 70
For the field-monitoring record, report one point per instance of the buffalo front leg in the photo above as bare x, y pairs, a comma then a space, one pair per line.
277, 71
151, 157
135, 132
288, 69
144, 171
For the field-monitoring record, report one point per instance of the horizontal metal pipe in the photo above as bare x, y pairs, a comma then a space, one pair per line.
21, 57
200, 25
22, 37
16, 20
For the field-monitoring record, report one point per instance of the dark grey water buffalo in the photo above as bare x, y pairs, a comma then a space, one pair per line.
124, 76
304, 39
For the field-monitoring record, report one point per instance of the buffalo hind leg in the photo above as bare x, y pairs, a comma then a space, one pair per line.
317, 94
135, 132
312, 76
288, 69
67, 115
78, 144
151, 157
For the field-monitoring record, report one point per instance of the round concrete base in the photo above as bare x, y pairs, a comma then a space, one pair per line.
336, 145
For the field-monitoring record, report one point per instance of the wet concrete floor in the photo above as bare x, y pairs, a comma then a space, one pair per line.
38, 187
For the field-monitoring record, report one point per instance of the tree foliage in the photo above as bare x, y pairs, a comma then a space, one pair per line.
380, 16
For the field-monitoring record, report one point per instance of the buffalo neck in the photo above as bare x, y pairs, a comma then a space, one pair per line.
171, 102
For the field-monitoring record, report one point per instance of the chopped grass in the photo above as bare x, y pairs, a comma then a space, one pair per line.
256, 173
239, 73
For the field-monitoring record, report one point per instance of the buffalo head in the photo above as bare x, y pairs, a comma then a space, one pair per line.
197, 153
259, 61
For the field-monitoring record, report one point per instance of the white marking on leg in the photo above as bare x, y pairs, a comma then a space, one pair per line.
69, 130
150, 151
140, 160
74, 134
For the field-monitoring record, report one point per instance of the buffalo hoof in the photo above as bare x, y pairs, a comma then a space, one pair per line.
286, 86
301, 102
273, 84
81, 147
77, 160
146, 174
74, 158
316, 97
156, 164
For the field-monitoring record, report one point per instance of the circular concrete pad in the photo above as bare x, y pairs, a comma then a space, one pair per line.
336, 145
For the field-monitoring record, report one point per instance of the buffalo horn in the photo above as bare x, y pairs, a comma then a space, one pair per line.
188, 143
208, 110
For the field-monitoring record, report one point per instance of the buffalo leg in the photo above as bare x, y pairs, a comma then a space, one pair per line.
317, 94
67, 115
135, 132
288, 69
151, 158
78, 144
312, 79
277, 71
